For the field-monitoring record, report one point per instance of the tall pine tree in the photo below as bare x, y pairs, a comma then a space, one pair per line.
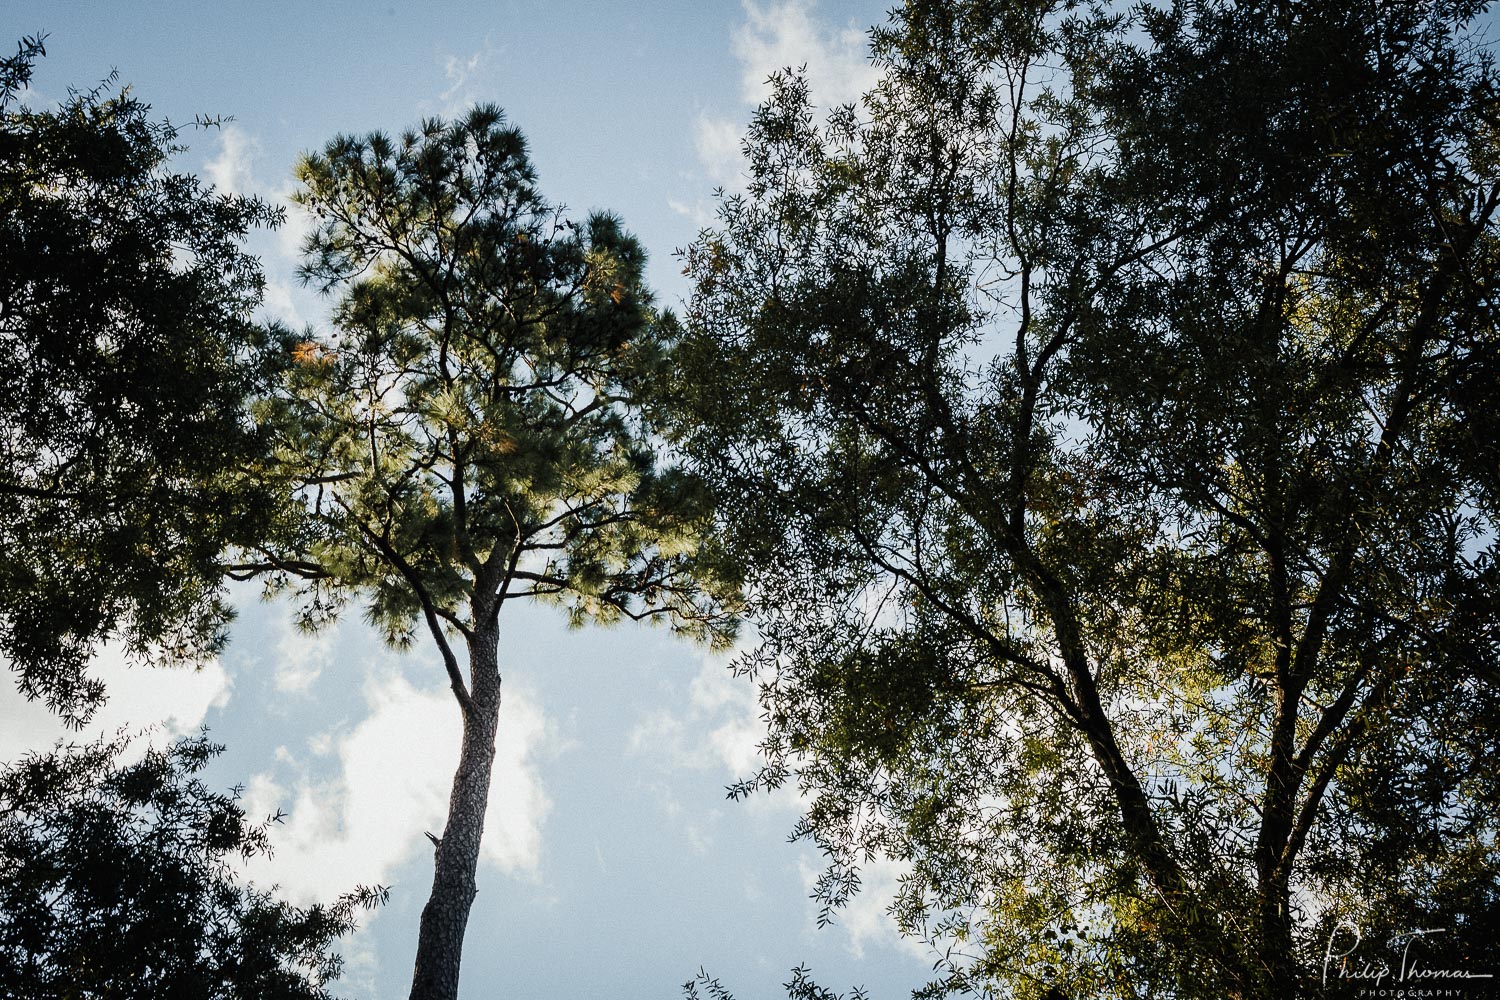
468, 436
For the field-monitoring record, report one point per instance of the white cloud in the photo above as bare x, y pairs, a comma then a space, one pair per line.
463, 73
29, 97
734, 706
788, 33
866, 921
726, 707
175, 701
717, 143
719, 728
232, 171
300, 658
700, 211
714, 729
281, 299
299, 223
394, 773
777, 35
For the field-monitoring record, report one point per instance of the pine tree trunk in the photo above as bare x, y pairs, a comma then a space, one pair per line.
440, 940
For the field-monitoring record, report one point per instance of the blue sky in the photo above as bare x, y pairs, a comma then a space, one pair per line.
613, 865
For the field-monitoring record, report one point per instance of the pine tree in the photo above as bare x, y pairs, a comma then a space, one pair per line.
469, 435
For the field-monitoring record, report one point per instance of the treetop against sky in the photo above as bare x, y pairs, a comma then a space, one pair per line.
1099, 411
611, 862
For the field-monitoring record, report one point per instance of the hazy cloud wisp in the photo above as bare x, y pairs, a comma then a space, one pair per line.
393, 772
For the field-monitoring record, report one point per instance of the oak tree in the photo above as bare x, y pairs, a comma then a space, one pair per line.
1106, 409
128, 352
118, 878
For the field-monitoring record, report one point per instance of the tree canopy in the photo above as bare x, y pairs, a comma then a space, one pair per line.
1105, 406
127, 355
1098, 419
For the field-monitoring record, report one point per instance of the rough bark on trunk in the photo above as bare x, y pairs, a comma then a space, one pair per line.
440, 939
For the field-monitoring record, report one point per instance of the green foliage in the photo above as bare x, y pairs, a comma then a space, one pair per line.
800, 987
470, 432
474, 431
1105, 406
127, 353
117, 879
